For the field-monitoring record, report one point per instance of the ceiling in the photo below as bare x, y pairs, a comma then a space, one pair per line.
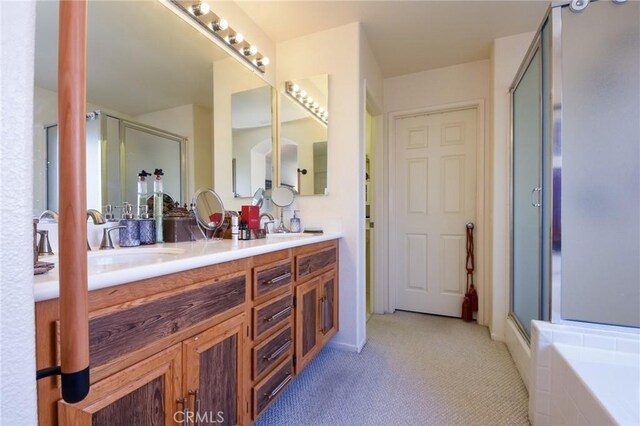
405, 36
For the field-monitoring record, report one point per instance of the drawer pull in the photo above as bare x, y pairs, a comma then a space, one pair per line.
277, 390
196, 406
278, 351
323, 311
277, 315
278, 278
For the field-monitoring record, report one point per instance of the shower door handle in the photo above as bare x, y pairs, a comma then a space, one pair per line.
536, 201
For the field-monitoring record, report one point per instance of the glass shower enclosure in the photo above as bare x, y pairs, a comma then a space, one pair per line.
575, 170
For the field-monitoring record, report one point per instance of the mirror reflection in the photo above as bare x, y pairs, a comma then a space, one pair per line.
303, 136
251, 141
155, 91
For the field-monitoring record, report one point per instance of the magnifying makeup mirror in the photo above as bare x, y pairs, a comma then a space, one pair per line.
209, 211
282, 196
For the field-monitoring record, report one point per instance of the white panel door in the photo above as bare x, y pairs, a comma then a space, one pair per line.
435, 196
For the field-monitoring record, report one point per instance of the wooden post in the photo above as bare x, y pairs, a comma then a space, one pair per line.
72, 240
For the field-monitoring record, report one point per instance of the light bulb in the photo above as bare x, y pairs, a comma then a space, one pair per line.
309, 100
219, 25
295, 88
234, 39
259, 62
316, 105
200, 9
250, 51
303, 94
320, 110
326, 114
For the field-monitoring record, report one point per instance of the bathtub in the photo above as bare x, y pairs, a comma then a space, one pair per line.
594, 386
583, 376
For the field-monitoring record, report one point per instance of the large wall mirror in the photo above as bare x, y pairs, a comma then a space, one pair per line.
303, 135
154, 82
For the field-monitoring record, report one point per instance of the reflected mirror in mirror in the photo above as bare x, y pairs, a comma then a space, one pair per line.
161, 81
209, 209
258, 198
303, 136
251, 140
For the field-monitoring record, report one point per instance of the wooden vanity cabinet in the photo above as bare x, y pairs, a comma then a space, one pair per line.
214, 373
316, 297
213, 345
146, 393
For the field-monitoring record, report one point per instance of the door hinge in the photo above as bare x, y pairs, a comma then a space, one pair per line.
247, 331
294, 360
295, 301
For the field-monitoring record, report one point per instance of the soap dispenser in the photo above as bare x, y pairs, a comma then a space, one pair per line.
130, 234
147, 227
294, 223
158, 204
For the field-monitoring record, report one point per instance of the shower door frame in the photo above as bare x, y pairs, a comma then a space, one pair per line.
553, 131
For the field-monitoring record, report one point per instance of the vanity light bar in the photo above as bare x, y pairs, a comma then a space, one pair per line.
200, 12
300, 96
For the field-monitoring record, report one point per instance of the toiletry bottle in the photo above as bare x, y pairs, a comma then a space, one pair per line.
294, 223
108, 213
141, 201
234, 228
158, 203
147, 227
130, 234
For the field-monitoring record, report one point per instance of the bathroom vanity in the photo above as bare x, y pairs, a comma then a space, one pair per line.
210, 332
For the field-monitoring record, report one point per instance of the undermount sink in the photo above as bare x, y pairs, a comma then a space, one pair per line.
123, 256
289, 235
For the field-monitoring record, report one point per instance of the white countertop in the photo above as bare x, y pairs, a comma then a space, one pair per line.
107, 268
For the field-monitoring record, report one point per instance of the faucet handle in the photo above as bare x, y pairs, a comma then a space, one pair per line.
266, 225
107, 242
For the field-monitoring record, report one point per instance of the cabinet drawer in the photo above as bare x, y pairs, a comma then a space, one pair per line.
118, 330
271, 314
271, 277
265, 392
309, 264
272, 351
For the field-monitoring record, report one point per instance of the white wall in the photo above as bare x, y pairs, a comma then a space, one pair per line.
342, 209
441, 87
17, 341
507, 54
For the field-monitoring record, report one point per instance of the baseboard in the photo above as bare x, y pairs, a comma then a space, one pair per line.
498, 337
343, 346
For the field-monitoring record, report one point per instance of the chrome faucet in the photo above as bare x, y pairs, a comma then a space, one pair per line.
49, 215
266, 224
97, 218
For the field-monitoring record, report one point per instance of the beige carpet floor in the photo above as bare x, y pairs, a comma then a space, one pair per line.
415, 370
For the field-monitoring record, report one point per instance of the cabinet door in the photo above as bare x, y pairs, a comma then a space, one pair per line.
328, 306
214, 373
307, 322
147, 393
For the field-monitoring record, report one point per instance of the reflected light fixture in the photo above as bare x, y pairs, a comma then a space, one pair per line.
232, 40
300, 96
200, 9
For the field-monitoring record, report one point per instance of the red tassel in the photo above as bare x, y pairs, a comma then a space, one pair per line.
467, 314
473, 296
